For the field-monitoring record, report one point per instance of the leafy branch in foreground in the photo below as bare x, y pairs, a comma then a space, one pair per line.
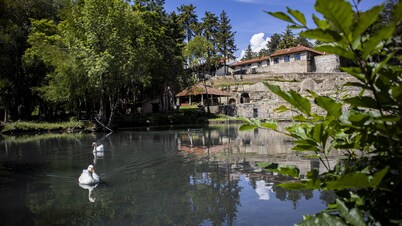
365, 131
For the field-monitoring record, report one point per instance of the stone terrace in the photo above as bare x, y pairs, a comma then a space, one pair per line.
261, 102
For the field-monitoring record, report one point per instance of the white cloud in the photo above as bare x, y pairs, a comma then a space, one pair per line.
257, 43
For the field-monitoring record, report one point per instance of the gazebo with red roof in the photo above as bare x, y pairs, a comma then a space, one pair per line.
198, 94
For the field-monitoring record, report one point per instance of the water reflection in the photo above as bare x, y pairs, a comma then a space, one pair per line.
249, 147
158, 177
90, 188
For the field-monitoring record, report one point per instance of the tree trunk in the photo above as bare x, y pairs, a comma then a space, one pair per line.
112, 105
103, 107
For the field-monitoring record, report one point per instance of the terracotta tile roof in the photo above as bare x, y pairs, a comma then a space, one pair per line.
254, 60
198, 89
298, 48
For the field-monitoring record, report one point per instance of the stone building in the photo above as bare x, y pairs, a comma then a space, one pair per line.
297, 59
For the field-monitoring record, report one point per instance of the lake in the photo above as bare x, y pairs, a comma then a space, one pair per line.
154, 176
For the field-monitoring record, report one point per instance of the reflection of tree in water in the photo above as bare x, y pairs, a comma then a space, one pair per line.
148, 195
214, 195
295, 195
328, 197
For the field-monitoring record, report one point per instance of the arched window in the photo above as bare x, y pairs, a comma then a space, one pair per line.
244, 98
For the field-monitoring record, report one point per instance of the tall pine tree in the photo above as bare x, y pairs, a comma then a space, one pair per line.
249, 54
273, 43
188, 19
209, 27
225, 38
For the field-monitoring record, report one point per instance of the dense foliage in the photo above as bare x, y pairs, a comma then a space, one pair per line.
364, 130
99, 57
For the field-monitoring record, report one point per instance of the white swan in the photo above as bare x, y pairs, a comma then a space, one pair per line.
97, 148
88, 176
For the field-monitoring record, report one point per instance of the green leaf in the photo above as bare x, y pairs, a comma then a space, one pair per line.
331, 106
323, 219
374, 43
382, 64
336, 50
365, 20
245, 127
270, 125
256, 122
355, 72
293, 185
281, 16
313, 174
352, 216
357, 84
291, 171
322, 24
245, 120
396, 93
337, 12
357, 180
300, 118
297, 15
377, 178
364, 101
301, 103
281, 108
268, 165
317, 132
321, 35
293, 98
296, 27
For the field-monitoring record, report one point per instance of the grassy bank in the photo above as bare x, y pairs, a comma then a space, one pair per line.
188, 116
23, 127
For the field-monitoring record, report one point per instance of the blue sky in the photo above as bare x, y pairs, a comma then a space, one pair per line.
248, 19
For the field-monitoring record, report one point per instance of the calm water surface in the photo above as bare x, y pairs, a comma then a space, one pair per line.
205, 176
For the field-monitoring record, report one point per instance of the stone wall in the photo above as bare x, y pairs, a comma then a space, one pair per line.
284, 67
263, 102
327, 63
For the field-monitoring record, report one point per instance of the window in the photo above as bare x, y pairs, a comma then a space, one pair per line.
286, 58
276, 60
297, 56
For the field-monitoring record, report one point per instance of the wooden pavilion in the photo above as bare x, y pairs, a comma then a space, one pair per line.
199, 94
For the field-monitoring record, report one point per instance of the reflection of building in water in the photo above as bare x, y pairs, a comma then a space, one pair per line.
237, 147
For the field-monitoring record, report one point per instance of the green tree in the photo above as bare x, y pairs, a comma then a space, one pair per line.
303, 41
364, 129
288, 39
248, 54
273, 43
197, 51
188, 19
263, 52
209, 31
225, 38
15, 80
166, 71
